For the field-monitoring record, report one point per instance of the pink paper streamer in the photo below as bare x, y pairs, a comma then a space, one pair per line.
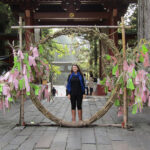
10, 80
117, 73
149, 101
14, 52
137, 79
114, 59
6, 101
24, 69
6, 90
32, 61
35, 52
16, 82
108, 82
31, 48
16, 74
146, 60
6, 76
1, 78
125, 65
132, 96
121, 92
20, 54
144, 97
130, 68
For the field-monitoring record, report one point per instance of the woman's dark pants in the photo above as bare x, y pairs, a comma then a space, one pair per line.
76, 101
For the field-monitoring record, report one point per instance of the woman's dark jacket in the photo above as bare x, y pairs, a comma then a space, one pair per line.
75, 84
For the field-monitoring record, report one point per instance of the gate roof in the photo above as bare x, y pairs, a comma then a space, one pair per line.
71, 12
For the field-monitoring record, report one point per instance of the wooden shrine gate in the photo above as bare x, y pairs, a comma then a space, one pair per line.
97, 115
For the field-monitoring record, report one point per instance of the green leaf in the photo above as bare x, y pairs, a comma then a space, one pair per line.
129, 92
115, 68
15, 59
21, 83
134, 109
36, 91
28, 93
117, 102
106, 89
144, 49
141, 58
121, 80
108, 57
148, 76
19, 66
130, 84
41, 49
1, 88
28, 74
133, 74
10, 99
26, 61
102, 82
138, 99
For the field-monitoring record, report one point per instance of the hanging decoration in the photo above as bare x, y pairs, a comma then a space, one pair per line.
28, 68
137, 78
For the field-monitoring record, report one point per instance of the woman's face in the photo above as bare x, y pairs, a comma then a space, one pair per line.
75, 68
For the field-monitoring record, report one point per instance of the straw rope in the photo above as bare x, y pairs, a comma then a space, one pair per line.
61, 122
87, 33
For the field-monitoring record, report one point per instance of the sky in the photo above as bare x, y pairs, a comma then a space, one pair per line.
129, 13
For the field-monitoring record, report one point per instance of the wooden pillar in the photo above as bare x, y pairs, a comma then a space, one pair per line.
28, 32
113, 32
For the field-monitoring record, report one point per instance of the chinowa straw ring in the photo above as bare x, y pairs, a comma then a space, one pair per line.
29, 65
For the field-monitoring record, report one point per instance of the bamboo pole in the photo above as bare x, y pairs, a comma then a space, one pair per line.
67, 26
125, 103
21, 121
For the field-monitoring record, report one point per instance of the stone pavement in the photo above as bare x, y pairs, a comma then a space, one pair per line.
13, 137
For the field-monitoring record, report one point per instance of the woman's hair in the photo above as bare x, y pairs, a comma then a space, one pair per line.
79, 70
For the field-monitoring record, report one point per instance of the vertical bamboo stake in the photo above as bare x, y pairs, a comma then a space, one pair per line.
21, 122
125, 103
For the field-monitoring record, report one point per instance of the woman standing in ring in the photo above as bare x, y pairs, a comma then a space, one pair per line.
76, 91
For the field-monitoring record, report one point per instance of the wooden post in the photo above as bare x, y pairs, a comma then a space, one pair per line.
125, 103
113, 21
100, 59
21, 121
28, 32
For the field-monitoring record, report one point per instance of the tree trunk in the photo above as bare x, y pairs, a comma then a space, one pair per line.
144, 19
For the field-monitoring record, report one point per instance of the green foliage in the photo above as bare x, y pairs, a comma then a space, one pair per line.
132, 20
6, 18
50, 50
